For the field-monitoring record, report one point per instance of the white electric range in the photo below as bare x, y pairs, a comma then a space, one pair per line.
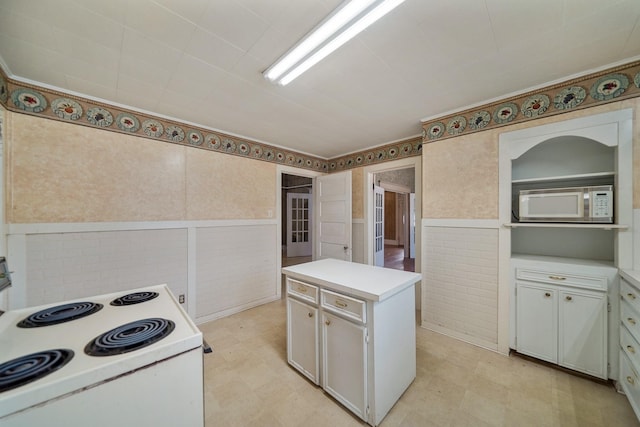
127, 358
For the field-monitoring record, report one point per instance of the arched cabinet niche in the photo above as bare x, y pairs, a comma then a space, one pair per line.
562, 162
555, 278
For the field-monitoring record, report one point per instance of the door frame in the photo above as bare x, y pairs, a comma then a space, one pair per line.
289, 170
416, 163
400, 210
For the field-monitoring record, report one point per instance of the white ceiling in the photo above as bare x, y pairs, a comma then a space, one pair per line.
201, 61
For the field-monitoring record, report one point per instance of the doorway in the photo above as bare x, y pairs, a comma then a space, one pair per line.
297, 221
328, 229
394, 219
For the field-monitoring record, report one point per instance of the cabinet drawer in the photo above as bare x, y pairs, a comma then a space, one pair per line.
302, 290
630, 346
342, 304
589, 282
629, 380
630, 294
630, 318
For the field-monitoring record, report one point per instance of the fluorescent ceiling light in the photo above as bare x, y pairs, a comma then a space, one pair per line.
338, 28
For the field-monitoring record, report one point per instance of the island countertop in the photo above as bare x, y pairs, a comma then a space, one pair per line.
366, 281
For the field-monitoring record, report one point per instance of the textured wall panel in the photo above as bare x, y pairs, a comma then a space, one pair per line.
235, 266
460, 276
62, 266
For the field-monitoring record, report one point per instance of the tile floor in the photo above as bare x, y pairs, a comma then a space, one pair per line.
248, 383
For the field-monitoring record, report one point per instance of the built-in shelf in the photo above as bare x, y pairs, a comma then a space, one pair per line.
565, 225
564, 177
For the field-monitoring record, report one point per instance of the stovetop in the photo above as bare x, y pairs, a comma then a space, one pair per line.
91, 340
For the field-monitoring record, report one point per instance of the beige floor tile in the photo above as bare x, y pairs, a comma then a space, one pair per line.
488, 410
487, 388
248, 382
522, 401
464, 419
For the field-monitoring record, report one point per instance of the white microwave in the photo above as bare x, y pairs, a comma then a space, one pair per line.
571, 204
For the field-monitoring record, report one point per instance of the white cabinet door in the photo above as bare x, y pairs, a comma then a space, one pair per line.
302, 338
583, 332
344, 362
537, 321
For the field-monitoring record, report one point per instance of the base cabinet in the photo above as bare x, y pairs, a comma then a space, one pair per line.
360, 347
559, 321
630, 337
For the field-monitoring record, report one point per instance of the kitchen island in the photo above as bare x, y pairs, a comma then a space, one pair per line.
351, 330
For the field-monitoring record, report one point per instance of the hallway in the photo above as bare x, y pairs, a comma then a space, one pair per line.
394, 258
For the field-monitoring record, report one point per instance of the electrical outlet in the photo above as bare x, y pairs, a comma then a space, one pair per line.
181, 298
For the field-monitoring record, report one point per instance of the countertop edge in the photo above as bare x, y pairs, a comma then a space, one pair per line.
353, 291
632, 276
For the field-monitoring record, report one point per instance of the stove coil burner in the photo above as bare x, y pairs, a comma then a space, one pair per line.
134, 298
60, 314
25, 369
130, 337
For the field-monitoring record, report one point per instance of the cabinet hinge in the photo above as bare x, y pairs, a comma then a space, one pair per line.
367, 411
609, 307
366, 338
608, 368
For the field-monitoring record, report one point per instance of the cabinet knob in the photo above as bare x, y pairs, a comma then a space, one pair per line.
557, 278
631, 296
327, 322
631, 320
547, 294
310, 314
631, 349
568, 298
630, 380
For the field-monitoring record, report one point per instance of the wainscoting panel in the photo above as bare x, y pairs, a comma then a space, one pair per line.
235, 268
221, 267
460, 283
63, 266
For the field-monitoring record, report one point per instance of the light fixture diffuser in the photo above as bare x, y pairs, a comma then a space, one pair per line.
342, 25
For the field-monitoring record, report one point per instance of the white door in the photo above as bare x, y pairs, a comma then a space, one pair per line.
378, 225
298, 224
332, 214
412, 225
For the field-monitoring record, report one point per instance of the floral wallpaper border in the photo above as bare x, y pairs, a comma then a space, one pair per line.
386, 153
38, 101
611, 85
